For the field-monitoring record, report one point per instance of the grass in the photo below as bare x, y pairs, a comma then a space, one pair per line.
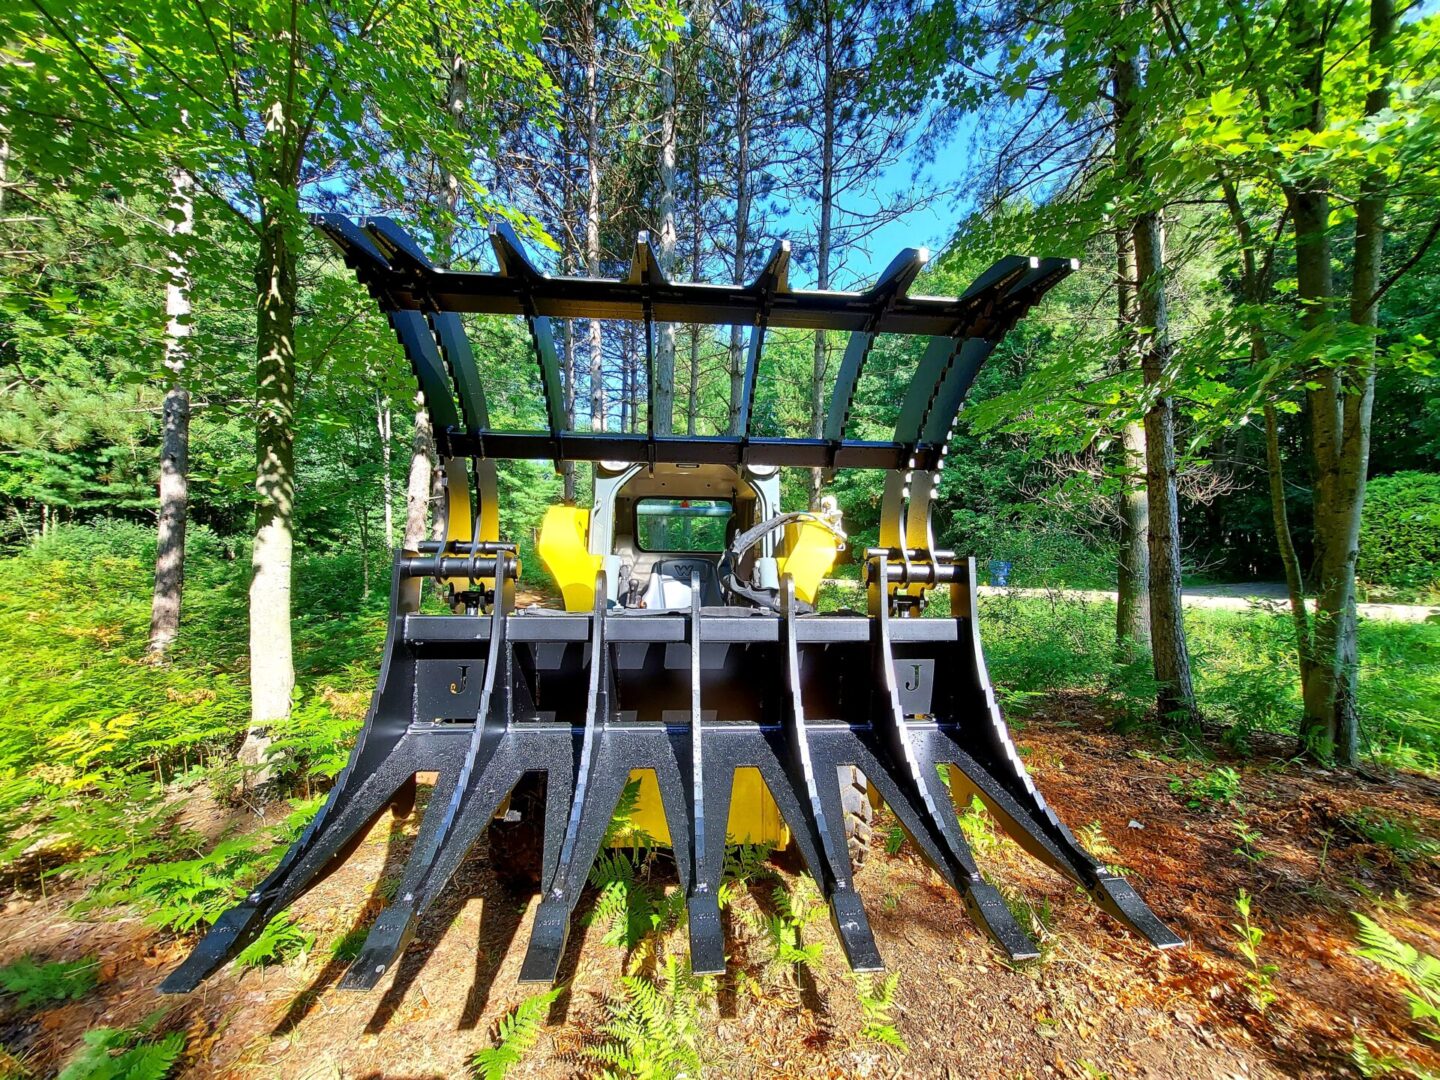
1243, 664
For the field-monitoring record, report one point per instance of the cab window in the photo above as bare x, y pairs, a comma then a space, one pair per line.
681, 524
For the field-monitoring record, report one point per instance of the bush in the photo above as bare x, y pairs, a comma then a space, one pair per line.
1400, 532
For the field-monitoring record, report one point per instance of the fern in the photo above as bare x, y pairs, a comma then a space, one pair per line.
518, 1031
653, 1029
278, 942
1420, 971
782, 929
630, 906
44, 984
622, 828
113, 1054
877, 1004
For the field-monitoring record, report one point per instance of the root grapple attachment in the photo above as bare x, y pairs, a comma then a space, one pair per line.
483, 696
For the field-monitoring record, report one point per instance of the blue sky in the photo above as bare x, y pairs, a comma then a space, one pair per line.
929, 226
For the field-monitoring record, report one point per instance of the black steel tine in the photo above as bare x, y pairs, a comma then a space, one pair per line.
596, 808
774, 276
420, 346
821, 786
919, 772
706, 820
645, 266
980, 747
379, 766
894, 281
399, 246
599, 783
396, 925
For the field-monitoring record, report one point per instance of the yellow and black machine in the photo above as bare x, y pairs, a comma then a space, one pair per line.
688, 652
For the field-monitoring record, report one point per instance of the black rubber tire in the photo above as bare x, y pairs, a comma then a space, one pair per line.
517, 841
859, 814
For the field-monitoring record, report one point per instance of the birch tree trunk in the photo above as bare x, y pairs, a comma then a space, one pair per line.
175, 438
1132, 607
417, 486
384, 424
272, 669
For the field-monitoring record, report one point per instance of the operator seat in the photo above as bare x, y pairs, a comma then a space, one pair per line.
669, 585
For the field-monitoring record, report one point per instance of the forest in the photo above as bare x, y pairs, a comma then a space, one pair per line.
1202, 477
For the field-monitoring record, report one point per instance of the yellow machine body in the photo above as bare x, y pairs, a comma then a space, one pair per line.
754, 817
563, 548
808, 553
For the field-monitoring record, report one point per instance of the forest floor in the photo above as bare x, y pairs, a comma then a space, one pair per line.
1098, 1003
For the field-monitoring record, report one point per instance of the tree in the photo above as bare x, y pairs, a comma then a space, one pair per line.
175, 442
857, 117
267, 99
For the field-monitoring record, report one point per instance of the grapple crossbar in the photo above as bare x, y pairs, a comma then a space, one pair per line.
488, 694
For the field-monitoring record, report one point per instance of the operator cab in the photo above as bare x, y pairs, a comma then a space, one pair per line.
672, 524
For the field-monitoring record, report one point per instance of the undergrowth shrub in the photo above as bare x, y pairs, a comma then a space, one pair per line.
1400, 533
100, 750
35, 984
126, 1054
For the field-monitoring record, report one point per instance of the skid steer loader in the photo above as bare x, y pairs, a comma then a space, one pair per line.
688, 651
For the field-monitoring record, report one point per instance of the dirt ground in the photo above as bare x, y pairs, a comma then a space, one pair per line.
1099, 1002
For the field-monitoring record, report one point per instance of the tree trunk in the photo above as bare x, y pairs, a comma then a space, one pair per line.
1132, 606
1340, 406
592, 215
567, 374
664, 373
272, 669
175, 440
384, 423
697, 210
417, 486
1176, 698
822, 247
1284, 539
743, 119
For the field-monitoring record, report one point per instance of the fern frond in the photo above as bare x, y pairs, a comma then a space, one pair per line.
516, 1033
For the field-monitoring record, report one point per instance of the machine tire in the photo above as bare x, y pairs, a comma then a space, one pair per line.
859, 814
517, 840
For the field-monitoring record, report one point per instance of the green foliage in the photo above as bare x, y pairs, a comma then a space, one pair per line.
45, 984
1400, 532
1249, 841
652, 1029
518, 1031
1218, 787
112, 1054
782, 928
278, 943
630, 905
1402, 838
975, 823
1260, 976
1420, 971
877, 1008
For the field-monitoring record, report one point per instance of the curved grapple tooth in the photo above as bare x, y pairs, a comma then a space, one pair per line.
707, 935
1116, 896
990, 912
387, 939
547, 942
231, 932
